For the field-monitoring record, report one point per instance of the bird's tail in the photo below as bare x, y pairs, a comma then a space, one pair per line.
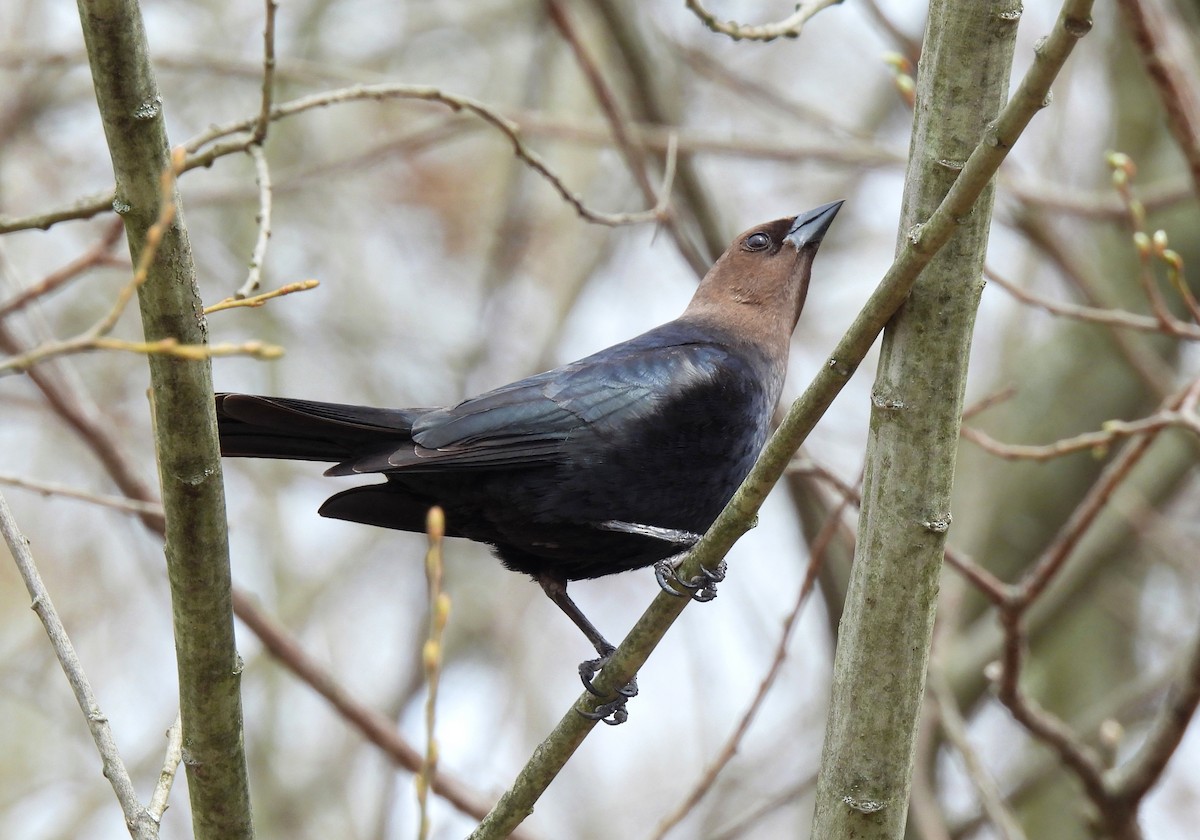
275, 427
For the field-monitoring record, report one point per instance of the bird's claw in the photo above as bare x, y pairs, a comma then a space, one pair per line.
702, 588
612, 712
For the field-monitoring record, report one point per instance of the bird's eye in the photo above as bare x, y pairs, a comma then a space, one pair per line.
758, 242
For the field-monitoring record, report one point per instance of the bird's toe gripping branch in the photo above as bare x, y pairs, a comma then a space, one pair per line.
612, 712
702, 588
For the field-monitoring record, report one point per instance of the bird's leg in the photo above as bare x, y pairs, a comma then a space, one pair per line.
702, 588
612, 712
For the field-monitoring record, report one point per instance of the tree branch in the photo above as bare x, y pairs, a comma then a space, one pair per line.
197, 550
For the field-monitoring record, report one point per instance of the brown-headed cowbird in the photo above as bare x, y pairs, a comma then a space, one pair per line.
614, 462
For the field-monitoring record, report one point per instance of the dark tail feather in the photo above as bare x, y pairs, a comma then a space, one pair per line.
275, 427
387, 505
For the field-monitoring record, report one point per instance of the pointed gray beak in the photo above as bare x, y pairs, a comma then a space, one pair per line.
809, 228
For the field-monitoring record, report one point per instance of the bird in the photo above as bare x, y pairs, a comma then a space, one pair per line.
614, 462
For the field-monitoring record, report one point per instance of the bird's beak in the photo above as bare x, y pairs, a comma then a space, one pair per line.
809, 228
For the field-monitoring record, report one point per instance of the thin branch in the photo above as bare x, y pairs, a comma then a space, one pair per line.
161, 347
50, 488
1096, 315
260, 299
96, 337
67, 399
384, 92
1133, 780
1172, 69
139, 821
1043, 725
432, 657
1099, 205
262, 178
989, 401
847, 153
98, 254
170, 769
262, 172
955, 729
1098, 442
618, 123
1052, 558
268, 75
789, 27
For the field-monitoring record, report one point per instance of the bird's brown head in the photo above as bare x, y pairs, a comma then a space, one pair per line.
757, 288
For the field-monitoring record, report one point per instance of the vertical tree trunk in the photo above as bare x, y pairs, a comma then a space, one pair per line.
197, 551
883, 645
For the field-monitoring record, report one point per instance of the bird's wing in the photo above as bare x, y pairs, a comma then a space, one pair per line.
527, 424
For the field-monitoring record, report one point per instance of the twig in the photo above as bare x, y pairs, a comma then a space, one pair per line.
262, 172
431, 657
260, 299
97, 336
1172, 69
69, 401
50, 488
955, 729
618, 123
262, 177
989, 401
141, 825
268, 75
170, 768
1038, 576
1133, 780
789, 27
857, 154
1098, 442
1043, 725
98, 254
161, 347
1097, 315
1150, 248
1098, 205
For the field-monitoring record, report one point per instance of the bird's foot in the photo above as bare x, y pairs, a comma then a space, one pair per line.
702, 588
612, 712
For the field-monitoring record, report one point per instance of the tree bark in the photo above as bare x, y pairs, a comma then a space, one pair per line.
886, 629
197, 550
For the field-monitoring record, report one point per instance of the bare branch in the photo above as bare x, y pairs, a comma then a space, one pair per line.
1133, 780
260, 299
789, 27
166, 777
955, 729
141, 825
1096, 315
99, 254
50, 488
1172, 68
262, 178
